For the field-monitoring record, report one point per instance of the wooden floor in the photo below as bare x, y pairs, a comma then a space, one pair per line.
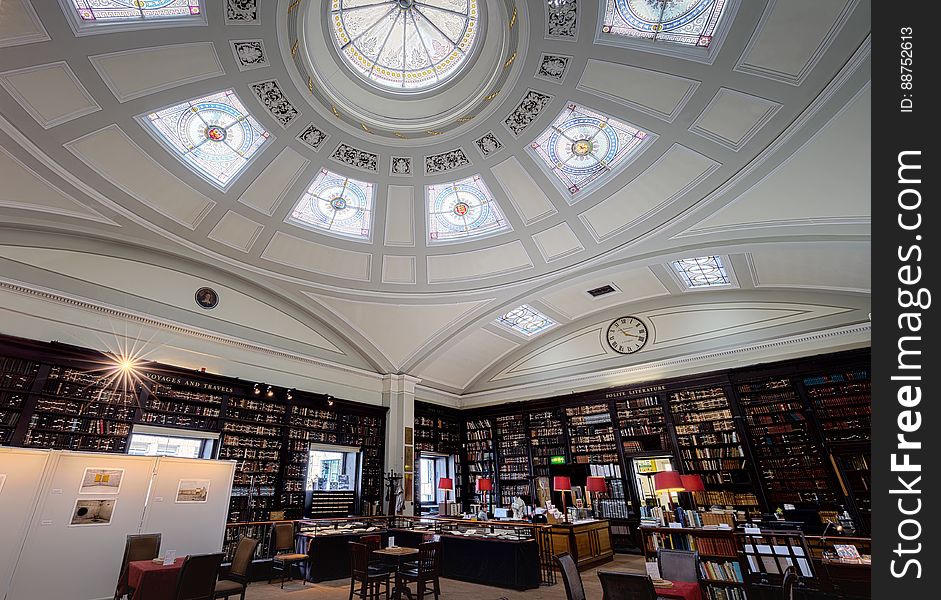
450, 589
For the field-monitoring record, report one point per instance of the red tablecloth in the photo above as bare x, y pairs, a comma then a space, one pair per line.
153, 581
685, 590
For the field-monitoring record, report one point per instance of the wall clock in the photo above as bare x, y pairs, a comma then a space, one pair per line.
627, 335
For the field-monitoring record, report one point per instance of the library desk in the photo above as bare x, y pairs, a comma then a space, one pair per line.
153, 581
510, 564
588, 542
328, 556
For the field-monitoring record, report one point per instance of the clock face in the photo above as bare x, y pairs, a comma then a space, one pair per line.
627, 335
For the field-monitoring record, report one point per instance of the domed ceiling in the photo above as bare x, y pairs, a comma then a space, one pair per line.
466, 191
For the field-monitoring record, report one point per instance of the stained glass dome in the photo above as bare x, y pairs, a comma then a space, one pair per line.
214, 135
462, 209
336, 204
582, 146
689, 22
405, 44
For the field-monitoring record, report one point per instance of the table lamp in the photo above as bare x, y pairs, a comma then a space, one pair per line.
668, 481
692, 483
484, 484
561, 483
446, 484
596, 484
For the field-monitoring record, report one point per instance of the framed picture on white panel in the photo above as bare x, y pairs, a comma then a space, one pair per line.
88, 512
192, 491
101, 481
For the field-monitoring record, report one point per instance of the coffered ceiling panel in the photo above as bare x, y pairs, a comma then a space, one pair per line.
659, 94
236, 231
266, 193
557, 242
525, 196
50, 93
473, 353
826, 180
19, 24
400, 216
317, 258
816, 266
113, 155
732, 117
142, 71
24, 189
671, 176
478, 264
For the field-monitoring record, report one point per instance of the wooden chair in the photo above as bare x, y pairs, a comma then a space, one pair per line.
571, 578
198, 577
427, 571
144, 546
789, 583
376, 565
678, 565
370, 581
626, 586
283, 549
236, 581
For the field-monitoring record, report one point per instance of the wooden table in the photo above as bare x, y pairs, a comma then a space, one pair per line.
683, 590
153, 581
399, 553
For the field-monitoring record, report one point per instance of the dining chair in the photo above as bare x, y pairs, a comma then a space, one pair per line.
236, 580
571, 578
376, 565
678, 565
198, 575
142, 546
283, 548
370, 581
626, 586
426, 572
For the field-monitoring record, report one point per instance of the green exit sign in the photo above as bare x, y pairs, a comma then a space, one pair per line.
556, 460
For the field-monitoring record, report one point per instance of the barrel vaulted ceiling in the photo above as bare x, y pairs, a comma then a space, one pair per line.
754, 148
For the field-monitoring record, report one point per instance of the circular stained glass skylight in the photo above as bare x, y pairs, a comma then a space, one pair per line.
405, 45
689, 22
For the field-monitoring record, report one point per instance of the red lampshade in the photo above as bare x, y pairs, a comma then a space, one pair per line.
692, 483
484, 485
561, 483
596, 484
445, 483
668, 481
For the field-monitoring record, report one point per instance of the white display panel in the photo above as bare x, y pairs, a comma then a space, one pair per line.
80, 561
189, 525
21, 473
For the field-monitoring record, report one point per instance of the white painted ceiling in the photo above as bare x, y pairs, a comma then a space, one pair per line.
762, 154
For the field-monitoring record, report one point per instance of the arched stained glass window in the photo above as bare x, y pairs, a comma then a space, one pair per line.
336, 204
214, 135
124, 10
702, 271
405, 44
462, 209
582, 146
526, 320
687, 22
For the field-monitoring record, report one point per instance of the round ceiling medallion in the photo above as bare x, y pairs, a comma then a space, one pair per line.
405, 45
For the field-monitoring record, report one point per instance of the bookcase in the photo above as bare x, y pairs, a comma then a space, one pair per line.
591, 435
438, 431
546, 439
842, 403
16, 379
642, 426
719, 565
479, 458
80, 410
514, 463
709, 445
790, 459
